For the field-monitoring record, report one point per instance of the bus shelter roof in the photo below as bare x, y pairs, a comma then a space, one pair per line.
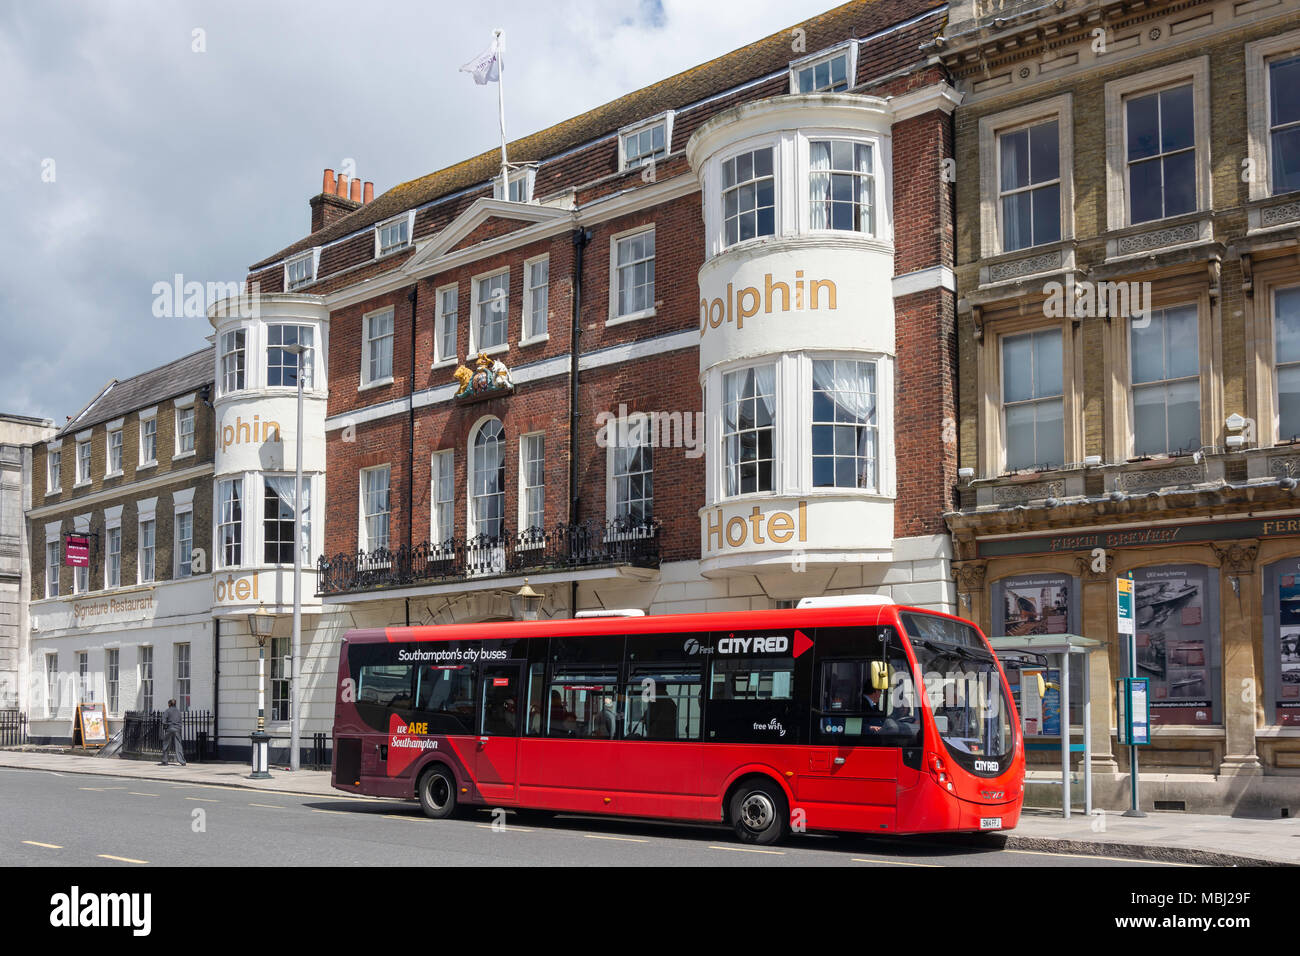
1046, 643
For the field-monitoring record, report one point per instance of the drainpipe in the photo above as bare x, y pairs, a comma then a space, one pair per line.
413, 298
216, 687
580, 239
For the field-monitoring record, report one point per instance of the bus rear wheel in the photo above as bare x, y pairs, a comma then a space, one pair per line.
758, 813
437, 792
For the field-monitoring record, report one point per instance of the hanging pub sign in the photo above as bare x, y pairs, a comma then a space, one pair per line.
76, 551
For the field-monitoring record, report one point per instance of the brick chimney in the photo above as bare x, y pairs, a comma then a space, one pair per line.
337, 198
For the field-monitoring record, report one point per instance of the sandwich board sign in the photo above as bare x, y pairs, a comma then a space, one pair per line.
92, 722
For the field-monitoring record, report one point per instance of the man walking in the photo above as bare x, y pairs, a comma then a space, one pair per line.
172, 735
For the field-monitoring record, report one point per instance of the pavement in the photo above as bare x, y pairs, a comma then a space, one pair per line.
1170, 837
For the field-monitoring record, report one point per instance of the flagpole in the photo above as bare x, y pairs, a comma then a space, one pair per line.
501, 106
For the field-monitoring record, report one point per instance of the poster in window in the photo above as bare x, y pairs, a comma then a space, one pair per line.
1035, 604
1173, 643
1288, 704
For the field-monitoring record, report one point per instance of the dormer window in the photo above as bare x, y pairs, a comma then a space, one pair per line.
645, 142
394, 234
301, 271
828, 71
521, 185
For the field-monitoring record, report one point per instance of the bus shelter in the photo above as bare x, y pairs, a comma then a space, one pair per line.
1034, 650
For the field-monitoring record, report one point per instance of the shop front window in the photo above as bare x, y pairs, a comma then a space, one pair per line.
1177, 613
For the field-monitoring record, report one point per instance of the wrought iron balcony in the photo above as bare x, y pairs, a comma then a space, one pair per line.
587, 544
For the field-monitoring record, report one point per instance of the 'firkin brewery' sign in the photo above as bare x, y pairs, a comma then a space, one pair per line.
1141, 537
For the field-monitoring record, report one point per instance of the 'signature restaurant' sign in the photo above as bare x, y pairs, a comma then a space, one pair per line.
1141, 537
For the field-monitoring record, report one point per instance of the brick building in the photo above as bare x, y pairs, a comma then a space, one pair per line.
705, 340
1127, 241
132, 473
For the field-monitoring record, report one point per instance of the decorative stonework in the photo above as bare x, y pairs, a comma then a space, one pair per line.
1083, 568
1023, 267
1237, 557
1277, 215
1284, 466
970, 576
1018, 494
1174, 235
1160, 478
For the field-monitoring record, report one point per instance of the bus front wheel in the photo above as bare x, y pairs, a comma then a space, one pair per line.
758, 812
437, 792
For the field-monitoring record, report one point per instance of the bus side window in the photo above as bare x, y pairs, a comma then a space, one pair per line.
664, 704
382, 690
536, 700
445, 698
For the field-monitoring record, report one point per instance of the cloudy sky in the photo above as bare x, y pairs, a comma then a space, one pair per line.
145, 139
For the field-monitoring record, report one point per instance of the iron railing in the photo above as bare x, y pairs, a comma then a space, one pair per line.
142, 734
13, 728
564, 547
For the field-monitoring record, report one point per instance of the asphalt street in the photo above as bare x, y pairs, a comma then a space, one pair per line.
77, 820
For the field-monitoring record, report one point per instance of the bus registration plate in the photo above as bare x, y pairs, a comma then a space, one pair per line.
990, 823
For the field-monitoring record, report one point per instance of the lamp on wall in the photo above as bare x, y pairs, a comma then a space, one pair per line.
526, 604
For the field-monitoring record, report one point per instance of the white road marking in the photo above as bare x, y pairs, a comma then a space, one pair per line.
745, 849
120, 859
48, 846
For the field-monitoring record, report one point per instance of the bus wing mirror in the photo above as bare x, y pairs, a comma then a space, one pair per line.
879, 675
1042, 685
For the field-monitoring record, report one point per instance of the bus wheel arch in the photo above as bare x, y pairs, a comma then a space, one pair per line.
757, 806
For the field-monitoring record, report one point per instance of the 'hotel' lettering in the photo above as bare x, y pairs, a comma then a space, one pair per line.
779, 527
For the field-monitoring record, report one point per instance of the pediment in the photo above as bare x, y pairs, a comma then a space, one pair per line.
483, 220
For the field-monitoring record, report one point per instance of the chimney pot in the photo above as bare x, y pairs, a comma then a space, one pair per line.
327, 184
343, 185
356, 190
369, 193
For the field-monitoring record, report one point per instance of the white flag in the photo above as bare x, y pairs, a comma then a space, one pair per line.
485, 68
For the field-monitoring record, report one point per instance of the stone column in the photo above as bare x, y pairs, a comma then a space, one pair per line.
1097, 614
970, 592
1240, 603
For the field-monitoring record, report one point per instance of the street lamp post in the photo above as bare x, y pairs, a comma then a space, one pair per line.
260, 625
295, 645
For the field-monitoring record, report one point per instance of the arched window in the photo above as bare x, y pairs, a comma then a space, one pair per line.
487, 498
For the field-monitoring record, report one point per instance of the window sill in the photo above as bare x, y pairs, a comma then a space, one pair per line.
446, 363
146, 466
501, 349
631, 317
184, 454
113, 474
81, 484
535, 340
385, 253
377, 383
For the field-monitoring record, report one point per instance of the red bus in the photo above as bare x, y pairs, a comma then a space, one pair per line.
862, 717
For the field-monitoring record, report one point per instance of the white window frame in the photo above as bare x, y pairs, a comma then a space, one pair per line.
367, 341
1275, 436
144, 663
472, 528
811, 60
113, 679
1197, 72
1258, 107
54, 467
1058, 108
112, 522
226, 351
778, 427
522, 494
527, 175
182, 504
218, 522
292, 266
84, 452
51, 683
442, 464
615, 284
363, 537
85, 693
182, 674
526, 317
148, 415
81, 576
664, 119
805, 181
475, 348
999, 342
774, 145
183, 405
53, 536
146, 512
408, 219
440, 357
308, 359
619, 429
305, 541
1202, 407
114, 440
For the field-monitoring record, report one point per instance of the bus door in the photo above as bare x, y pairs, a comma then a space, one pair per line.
496, 750
858, 732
